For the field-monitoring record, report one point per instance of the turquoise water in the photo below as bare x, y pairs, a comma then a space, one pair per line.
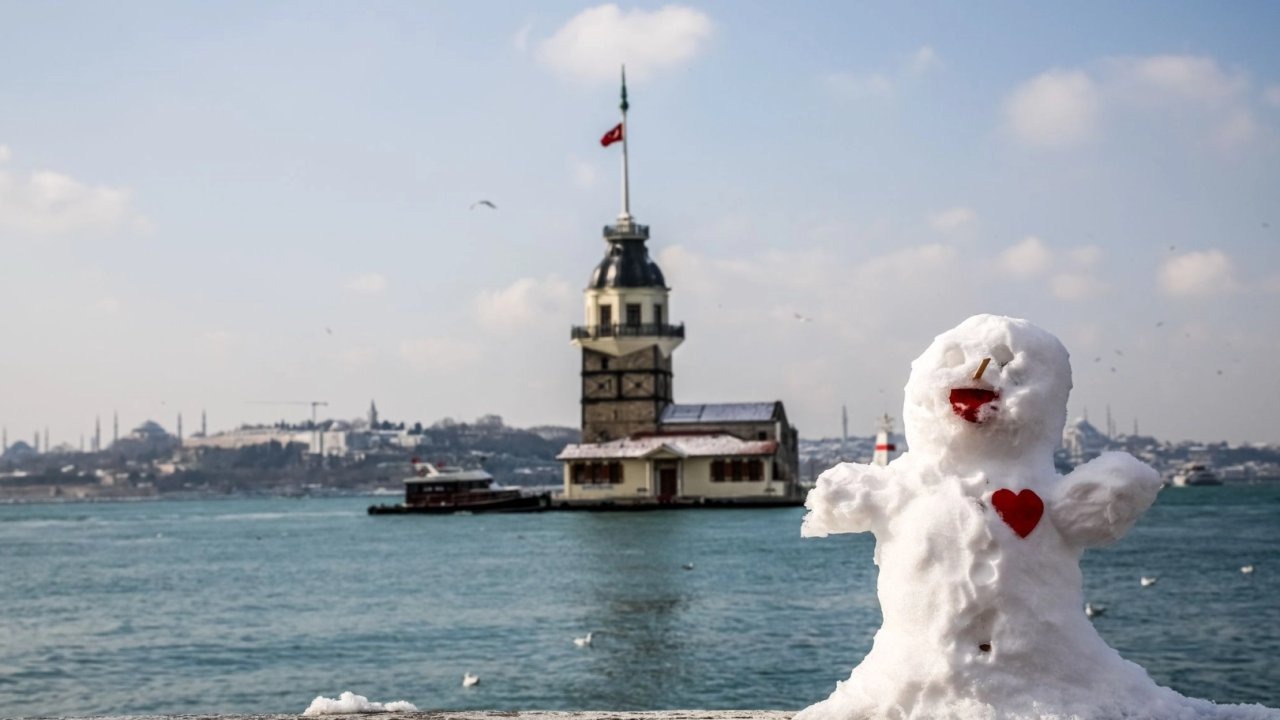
260, 605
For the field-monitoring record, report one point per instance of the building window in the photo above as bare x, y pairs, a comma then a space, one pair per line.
615, 473
604, 363
633, 314
753, 470
717, 471
762, 435
735, 471
657, 314
606, 319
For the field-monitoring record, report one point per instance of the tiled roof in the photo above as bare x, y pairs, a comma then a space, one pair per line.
681, 445
718, 413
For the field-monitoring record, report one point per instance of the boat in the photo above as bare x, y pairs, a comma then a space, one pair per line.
1195, 473
445, 490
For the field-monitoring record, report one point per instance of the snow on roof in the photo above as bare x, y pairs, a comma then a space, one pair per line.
718, 413
681, 445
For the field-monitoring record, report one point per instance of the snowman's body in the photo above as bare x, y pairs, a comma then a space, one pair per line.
980, 588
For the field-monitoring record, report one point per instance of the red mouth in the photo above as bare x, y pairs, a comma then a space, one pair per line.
968, 402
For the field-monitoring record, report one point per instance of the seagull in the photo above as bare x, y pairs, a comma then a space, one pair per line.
1148, 581
468, 680
802, 318
1247, 569
687, 566
1091, 610
584, 641
485, 203
328, 329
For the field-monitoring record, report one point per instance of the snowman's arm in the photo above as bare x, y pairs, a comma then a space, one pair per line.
849, 498
1100, 500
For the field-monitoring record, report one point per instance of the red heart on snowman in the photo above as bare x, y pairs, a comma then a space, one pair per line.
1021, 511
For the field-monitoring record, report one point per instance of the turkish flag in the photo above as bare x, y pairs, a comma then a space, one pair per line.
612, 136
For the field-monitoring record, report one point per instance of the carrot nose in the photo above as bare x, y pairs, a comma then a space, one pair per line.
982, 368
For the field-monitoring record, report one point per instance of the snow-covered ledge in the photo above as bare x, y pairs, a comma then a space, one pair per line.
494, 715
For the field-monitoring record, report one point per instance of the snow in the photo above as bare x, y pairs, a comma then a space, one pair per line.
980, 622
348, 703
709, 445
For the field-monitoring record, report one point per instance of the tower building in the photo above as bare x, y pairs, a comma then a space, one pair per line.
638, 445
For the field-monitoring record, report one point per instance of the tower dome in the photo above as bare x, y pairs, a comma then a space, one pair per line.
626, 263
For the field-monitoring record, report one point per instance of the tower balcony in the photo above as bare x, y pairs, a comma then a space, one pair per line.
619, 340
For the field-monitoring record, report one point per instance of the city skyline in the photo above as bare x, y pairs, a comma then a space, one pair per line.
206, 207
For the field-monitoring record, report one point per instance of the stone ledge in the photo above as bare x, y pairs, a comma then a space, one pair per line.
485, 715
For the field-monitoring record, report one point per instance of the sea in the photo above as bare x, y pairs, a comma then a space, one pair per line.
261, 605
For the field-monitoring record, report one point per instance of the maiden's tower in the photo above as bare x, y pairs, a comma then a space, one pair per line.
639, 447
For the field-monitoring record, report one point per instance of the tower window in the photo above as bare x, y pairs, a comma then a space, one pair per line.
657, 314
633, 314
604, 363
606, 319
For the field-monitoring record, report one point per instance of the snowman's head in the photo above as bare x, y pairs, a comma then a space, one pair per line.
990, 387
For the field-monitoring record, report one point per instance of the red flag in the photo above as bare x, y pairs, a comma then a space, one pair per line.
612, 136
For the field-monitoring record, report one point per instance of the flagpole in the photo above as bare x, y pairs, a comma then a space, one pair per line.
625, 217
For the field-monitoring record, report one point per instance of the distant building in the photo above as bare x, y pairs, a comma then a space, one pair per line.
1082, 441
637, 443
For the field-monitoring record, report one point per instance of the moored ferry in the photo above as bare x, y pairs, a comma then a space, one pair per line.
442, 490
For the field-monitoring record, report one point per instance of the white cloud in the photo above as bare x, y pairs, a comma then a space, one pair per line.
1198, 274
1085, 255
954, 219
596, 41
521, 39
855, 85
48, 203
1238, 128
1191, 93
583, 172
1271, 96
1186, 77
922, 61
525, 302
1076, 286
1055, 109
105, 307
370, 283
1026, 259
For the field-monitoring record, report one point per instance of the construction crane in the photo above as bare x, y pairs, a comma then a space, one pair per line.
315, 428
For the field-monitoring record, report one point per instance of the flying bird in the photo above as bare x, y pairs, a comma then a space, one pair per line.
584, 641
468, 680
485, 203
328, 329
1148, 581
802, 318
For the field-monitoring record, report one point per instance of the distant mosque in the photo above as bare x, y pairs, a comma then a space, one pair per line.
638, 445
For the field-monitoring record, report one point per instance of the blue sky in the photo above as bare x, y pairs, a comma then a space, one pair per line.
207, 204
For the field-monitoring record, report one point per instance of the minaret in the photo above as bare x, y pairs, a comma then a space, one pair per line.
373, 415
5, 442
627, 339
35, 443
884, 441
115, 427
204, 424
82, 442
97, 433
844, 433
179, 429
46, 438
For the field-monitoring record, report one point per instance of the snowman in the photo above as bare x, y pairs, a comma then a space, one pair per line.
978, 541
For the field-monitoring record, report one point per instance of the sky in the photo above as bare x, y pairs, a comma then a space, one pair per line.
205, 206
